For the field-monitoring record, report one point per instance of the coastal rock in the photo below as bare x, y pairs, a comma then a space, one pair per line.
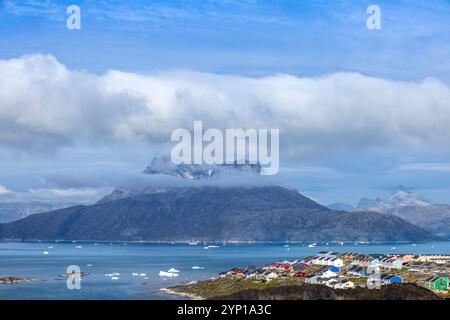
13, 280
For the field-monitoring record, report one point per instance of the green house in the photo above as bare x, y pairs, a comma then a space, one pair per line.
437, 282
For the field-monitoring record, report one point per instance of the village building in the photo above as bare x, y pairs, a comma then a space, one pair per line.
436, 258
437, 282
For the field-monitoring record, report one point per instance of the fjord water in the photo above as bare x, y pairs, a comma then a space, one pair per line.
23, 259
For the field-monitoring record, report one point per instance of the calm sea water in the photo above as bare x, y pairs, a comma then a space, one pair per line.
28, 260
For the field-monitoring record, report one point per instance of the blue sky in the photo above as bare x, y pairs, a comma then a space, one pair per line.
245, 39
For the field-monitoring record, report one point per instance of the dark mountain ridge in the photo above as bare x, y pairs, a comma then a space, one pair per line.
213, 214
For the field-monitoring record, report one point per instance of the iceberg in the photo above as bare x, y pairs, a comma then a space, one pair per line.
168, 274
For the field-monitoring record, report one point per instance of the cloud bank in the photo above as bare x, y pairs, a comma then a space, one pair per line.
44, 106
56, 195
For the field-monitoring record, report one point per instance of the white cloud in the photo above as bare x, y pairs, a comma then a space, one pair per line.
44, 106
425, 166
4, 190
35, 8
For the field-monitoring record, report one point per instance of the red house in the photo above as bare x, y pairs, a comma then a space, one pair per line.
237, 270
300, 275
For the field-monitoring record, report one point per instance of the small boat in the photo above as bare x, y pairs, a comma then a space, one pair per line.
89, 265
135, 274
206, 248
414, 244
341, 243
78, 247
312, 245
45, 252
193, 243
168, 274
142, 274
51, 247
173, 270
197, 268
114, 278
286, 246
213, 246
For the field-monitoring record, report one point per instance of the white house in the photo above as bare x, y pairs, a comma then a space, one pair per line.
397, 264
347, 284
338, 262
328, 274
272, 275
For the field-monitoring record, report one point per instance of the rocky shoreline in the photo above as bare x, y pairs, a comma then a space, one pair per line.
14, 280
181, 294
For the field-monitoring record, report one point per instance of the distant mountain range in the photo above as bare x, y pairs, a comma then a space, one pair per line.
212, 214
413, 207
339, 206
10, 211
400, 197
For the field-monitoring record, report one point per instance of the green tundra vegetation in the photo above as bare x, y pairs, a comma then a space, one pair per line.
291, 288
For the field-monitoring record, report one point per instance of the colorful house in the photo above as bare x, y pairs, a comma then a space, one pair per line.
287, 267
338, 262
406, 258
357, 271
388, 279
328, 274
437, 282
335, 269
300, 275
397, 264
300, 266
374, 263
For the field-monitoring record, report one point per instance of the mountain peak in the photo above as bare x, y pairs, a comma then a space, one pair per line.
163, 165
401, 188
400, 197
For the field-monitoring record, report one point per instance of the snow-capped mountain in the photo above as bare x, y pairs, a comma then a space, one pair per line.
400, 197
191, 172
414, 208
198, 171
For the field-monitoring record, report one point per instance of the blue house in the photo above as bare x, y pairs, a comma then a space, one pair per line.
335, 269
388, 279
396, 279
